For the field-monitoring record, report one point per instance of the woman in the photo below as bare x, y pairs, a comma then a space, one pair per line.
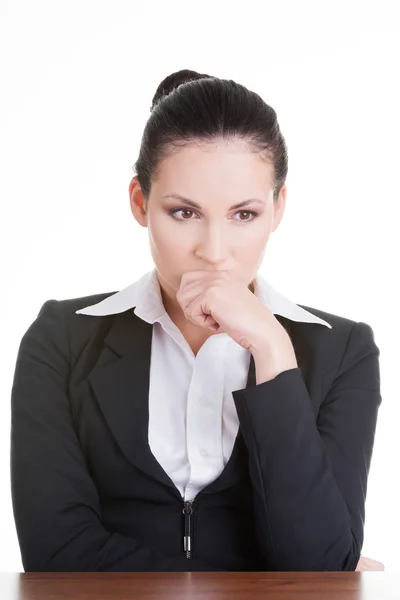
197, 419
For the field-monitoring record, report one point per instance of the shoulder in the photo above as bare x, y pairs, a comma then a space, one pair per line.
341, 326
337, 321
69, 306
348, 341
57, 325
65, 309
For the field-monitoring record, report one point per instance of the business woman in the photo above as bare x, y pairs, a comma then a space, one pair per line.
197, 420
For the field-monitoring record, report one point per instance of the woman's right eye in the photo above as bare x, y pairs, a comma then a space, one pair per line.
176, 210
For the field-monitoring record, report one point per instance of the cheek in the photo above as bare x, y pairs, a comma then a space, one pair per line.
251, 242
163, 239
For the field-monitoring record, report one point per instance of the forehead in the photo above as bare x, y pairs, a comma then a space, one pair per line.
207, 165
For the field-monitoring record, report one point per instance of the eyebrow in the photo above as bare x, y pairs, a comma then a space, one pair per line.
195, 205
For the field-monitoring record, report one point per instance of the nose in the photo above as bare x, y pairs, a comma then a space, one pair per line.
213, 246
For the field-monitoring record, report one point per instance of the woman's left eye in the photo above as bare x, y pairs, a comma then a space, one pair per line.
173, 211
249, 212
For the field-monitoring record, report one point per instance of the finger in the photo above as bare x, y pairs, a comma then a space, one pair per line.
190, 288
191, 305
189, 293
195, 313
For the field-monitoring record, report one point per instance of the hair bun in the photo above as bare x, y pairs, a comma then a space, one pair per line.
173, 81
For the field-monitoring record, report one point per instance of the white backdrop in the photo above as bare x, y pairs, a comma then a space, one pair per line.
77, 81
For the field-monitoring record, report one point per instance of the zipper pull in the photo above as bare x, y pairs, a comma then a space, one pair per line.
187, 511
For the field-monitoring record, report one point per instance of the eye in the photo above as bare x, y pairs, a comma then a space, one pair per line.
248, 212
173, 211
184, 210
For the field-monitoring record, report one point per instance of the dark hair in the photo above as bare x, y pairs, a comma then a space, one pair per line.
190, 107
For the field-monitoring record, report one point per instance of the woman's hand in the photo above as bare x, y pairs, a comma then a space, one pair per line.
215, 298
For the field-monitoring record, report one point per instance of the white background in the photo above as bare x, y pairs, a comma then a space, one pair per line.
77, 81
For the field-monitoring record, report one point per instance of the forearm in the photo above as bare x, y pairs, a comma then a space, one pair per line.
302, 520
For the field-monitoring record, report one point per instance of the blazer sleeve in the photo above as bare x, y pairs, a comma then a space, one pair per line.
55, 502
309, 478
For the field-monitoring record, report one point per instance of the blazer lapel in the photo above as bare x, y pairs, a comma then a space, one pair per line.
120, 382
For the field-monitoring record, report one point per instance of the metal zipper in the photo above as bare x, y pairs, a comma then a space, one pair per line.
187, 539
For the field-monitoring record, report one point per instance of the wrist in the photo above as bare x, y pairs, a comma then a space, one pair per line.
271, 361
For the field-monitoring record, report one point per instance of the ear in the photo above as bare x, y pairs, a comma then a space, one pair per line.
279, 207
137, 203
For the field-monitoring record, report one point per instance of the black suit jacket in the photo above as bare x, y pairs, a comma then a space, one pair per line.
88, 494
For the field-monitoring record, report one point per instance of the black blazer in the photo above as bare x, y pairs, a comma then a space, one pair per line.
88, 494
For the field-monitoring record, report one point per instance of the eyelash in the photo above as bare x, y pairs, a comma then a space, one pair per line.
175, 210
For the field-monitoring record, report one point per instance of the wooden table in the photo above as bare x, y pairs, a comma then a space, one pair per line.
210, 586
